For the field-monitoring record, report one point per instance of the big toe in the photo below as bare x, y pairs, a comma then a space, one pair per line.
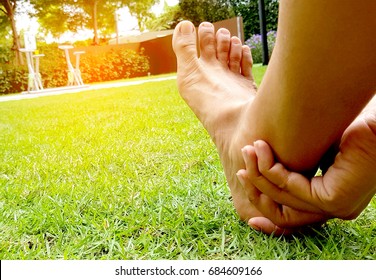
184, 42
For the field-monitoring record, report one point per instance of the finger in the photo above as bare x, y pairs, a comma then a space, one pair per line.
275, 172
263, 150
257, 180
251, 171
258, 223
251, 191
292, 186
250, 160
281, 216
284, 216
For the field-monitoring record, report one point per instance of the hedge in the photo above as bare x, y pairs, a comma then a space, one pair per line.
107, 66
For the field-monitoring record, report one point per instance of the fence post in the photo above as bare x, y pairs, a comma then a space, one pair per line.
264, 37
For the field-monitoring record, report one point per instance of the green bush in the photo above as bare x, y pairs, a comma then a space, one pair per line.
5, 54
248, 10
255, 44
53, 66
113, 65
12, 79
107, 66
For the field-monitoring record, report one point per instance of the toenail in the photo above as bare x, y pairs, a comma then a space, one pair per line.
206, 24
186, 28
246, 49
224, 31
235, 40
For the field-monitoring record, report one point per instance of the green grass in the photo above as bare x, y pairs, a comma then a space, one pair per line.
129, 173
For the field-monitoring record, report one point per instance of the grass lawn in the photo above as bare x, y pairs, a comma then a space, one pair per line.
129, 173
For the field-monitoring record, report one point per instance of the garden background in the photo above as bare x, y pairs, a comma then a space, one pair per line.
58, 17
130, 173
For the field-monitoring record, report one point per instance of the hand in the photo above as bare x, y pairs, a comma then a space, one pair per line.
279, 219
343, 192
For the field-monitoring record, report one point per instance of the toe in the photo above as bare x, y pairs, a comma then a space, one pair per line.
207, 41
247, 63
235, 55
184, 42
223, 46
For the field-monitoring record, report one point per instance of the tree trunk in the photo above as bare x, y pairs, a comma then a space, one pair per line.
10, 8
95, 23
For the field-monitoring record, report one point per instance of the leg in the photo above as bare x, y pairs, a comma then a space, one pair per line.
305, 101
320, 77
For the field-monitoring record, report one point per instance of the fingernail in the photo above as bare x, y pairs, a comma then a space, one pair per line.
240, 177
256, 146
186, 28
244, 151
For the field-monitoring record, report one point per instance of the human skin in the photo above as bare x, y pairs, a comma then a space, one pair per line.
320, 77
343, 191
308, 95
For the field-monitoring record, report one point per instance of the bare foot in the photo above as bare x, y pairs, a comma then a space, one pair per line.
218, 86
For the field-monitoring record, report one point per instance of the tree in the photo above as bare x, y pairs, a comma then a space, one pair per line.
5, 40
141, 10
169, 18
195, 11
248, 10
58, 16
8, 8
215, 10
198, 11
